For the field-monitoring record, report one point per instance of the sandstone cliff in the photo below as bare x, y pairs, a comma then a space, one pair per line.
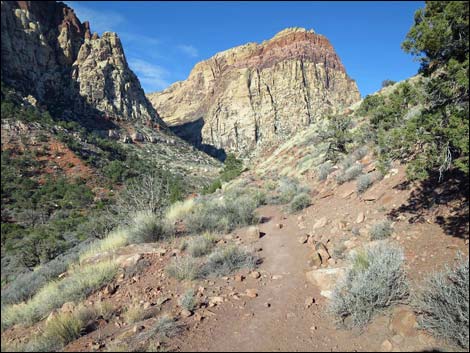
257, 95
48, 53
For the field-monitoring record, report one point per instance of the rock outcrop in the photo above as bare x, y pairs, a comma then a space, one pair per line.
49, 54
258, 95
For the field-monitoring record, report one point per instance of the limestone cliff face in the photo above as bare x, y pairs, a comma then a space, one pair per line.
258, 95
48, 53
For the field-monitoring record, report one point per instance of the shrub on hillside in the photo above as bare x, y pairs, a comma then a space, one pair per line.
186, 268
299, 202
226, 261
364, 182
443, 304
188, 300
200, 246
324, 170
349, 174
381, 230
376, 281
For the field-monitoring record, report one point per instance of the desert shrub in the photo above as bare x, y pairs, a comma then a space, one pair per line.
339, 251
375, 282
324, 170
349, 174
381, 230
387, 82
442, 304
185, 268
66, 327
136, 312
81, 282
233, 167
114, 240
165, 327
287, 189
364, 182
359, 153
200, 246
27, 284
212, 187
147, 228
178, 210
226, 261
299, 202
221, 214
188, 300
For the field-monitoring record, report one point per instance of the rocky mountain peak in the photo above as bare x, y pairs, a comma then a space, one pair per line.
256, 95
48, 53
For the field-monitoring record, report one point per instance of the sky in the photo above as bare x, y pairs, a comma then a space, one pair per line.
164, 40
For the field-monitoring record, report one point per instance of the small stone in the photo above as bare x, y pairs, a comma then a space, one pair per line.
386, 346
137, 328
276, 277
186, 313
309, 302
303, 239
397, 339
253, 232
360, 217
315, 259
239, 278
251, 293
255, 274
198, 317
320, 223
279, 225
213, 301
268, 305
313, 328
404, 323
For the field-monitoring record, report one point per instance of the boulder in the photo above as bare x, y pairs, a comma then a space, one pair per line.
326, 279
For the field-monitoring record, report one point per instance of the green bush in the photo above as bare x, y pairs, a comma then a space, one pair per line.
188, 300
226, 261
299, 202
233, 167
381, 230
324, 170
186, 268
349, 174
200, 246
364, 182
442, 304
376, 281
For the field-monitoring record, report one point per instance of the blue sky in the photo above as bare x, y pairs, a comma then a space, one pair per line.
164, 40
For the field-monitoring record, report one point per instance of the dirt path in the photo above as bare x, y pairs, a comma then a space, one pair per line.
286, 324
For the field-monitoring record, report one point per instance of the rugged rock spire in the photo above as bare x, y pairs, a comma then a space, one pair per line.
48, 53
257, 95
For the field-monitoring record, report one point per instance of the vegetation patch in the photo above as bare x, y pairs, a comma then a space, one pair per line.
381, 230
81, 282
442, 304
376, 281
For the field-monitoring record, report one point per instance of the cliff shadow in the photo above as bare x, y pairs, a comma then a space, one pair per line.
192, 133
430, 193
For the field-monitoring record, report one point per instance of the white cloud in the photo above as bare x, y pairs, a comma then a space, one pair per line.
152, 77
99, 21
189, 50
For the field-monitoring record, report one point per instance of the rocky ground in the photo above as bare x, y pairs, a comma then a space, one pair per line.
283, 304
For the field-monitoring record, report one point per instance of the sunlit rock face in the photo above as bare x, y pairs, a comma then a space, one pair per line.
257, 95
